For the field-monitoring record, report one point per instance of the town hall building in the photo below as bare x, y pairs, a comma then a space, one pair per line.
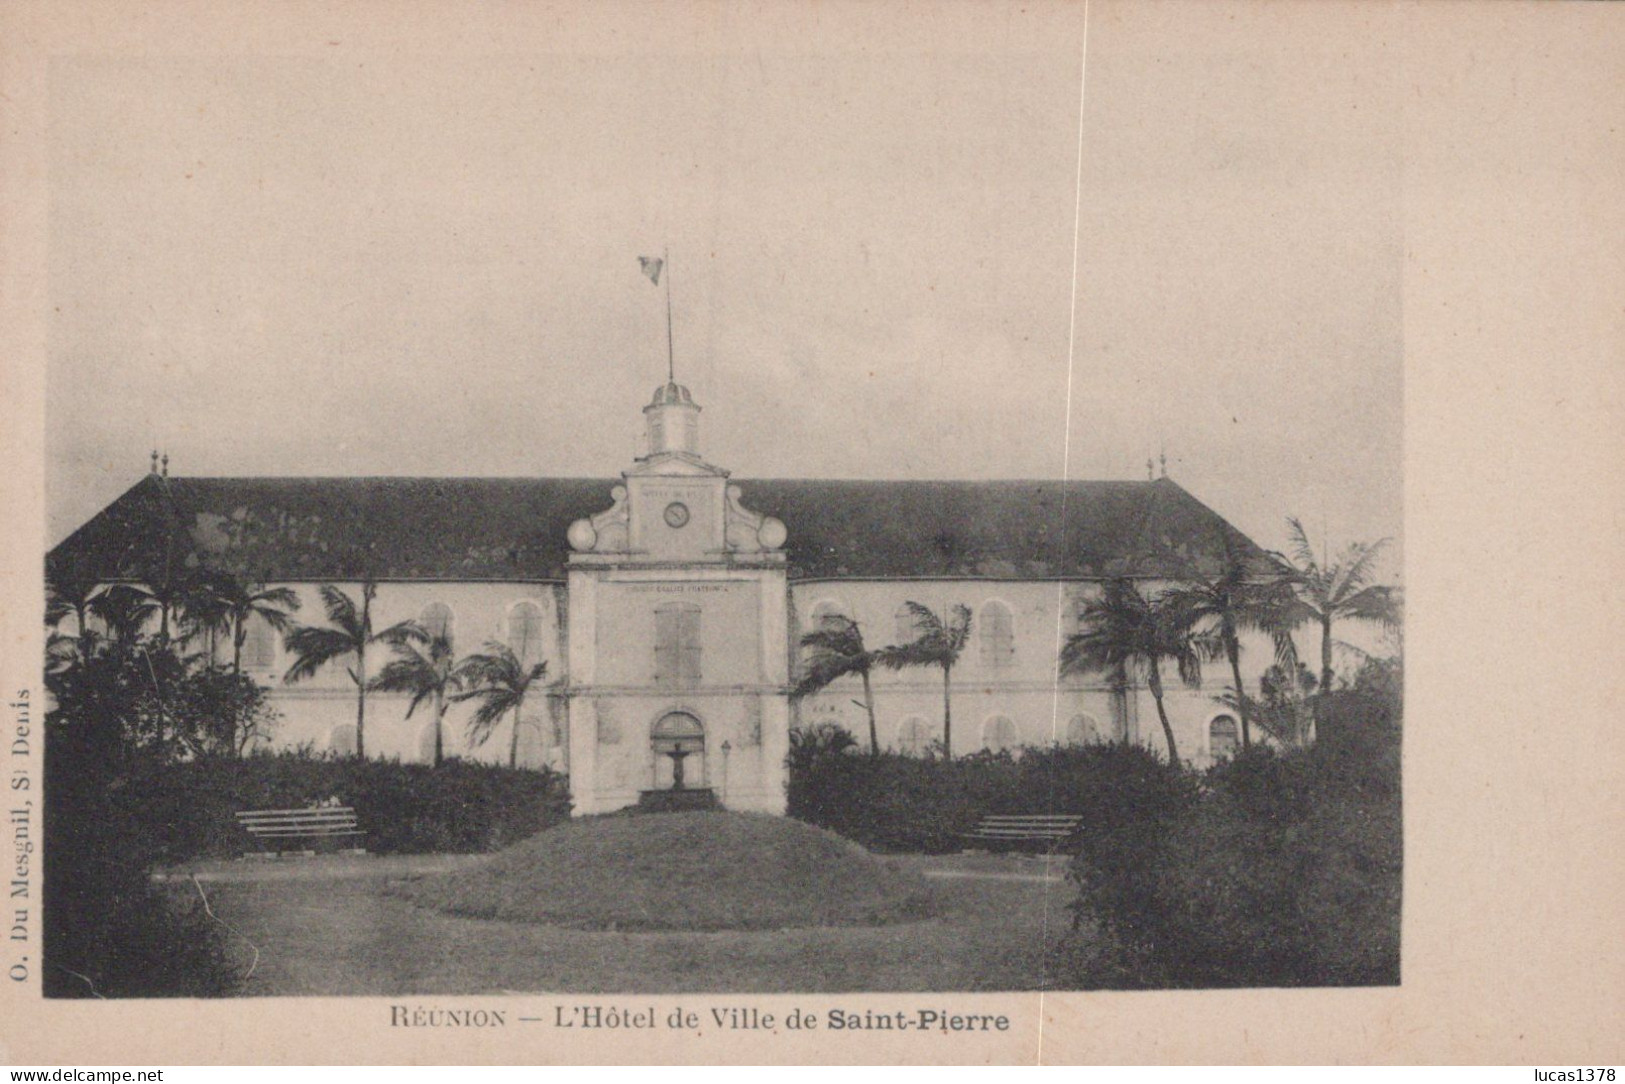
669, 605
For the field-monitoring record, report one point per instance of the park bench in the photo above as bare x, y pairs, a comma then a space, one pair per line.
301, 830
1003, 831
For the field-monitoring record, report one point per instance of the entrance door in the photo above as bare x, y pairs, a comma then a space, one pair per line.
678, 740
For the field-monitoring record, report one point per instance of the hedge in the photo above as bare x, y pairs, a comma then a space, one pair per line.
893, 802
189, 808
1286, 871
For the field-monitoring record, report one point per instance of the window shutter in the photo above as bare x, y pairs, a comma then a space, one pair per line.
998, 634
525, 632
688, 646
677, 645
665, 647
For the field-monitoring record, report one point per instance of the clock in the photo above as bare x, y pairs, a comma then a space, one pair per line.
676, 514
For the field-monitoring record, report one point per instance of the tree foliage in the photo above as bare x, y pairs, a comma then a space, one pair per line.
938, 642
1124, 633
500, 682
834, 651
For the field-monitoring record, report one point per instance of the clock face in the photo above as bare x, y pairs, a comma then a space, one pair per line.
676, 514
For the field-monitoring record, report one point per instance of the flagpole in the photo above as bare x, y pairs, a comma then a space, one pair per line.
671, 363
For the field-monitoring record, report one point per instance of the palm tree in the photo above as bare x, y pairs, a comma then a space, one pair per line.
70, 591
834, 651
1240, 594
241, 603
500, 681
170, 594
936, 643
1325, 591
424, 666
350, 633
125, 609
1123, 632
204, 614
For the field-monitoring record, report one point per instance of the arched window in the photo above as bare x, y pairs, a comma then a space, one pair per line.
999, 734
525, 631
259, 644
914, 736
677, 645
1083, 730
341, 740
996, 631
1221, 737
824, 611
534, 731
436, 620
908, 625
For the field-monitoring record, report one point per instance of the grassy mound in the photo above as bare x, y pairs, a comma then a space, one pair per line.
680, 871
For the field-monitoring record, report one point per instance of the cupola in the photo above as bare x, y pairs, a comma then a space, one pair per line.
673, 421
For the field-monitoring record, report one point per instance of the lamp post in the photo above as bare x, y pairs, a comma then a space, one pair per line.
726, 748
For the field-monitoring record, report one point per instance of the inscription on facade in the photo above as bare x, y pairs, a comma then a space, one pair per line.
679, 588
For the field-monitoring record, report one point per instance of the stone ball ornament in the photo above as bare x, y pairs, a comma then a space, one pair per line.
582, 536
771, 534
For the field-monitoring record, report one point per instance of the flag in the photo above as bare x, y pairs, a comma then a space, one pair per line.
652, 266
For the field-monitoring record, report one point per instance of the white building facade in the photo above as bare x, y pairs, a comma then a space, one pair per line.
669, 606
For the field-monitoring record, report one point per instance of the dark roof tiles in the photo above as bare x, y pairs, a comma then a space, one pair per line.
305, 529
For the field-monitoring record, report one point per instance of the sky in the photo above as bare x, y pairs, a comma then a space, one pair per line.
891, 255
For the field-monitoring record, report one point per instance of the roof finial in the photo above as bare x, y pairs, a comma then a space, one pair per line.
1162, 457
154, 468
165, 462
1150, 470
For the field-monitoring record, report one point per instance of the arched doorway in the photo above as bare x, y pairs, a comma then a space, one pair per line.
678, 739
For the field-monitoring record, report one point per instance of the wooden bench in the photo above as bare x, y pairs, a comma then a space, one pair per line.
1002, 831
303, 827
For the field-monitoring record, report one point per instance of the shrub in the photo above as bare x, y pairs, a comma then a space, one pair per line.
1284, 871
405, 808
894, 802
107, 931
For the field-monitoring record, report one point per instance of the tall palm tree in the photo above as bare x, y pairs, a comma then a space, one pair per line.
833, 651
500, 681
204, 614
1241, 594
1124, 632
424, 666
242, 602
1325, 591
936, 643
349, 633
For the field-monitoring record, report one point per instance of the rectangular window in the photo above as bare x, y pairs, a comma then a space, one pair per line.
677, 645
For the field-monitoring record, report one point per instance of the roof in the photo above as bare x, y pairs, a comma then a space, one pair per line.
310, 529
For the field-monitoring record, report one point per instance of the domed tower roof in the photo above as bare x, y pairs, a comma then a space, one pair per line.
672, 394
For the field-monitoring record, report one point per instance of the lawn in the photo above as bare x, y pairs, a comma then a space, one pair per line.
330, 927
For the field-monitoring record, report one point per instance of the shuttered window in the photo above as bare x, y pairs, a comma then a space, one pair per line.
259, 644
827, 613
914, 736
997, 633
525, 632
999, 734
677, 645
908, 624
1221, 737
436, 620
1082, 730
